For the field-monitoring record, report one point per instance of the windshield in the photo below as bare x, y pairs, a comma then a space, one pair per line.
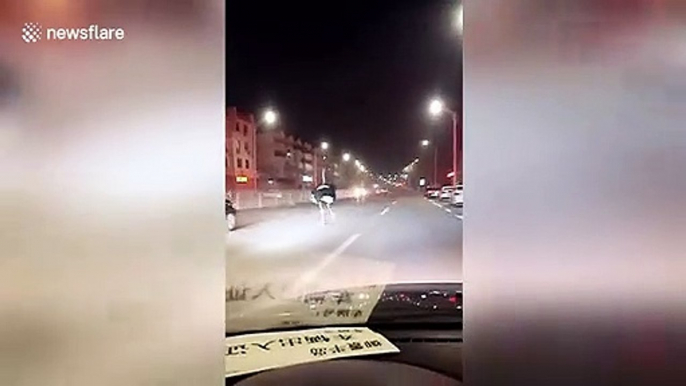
329, 161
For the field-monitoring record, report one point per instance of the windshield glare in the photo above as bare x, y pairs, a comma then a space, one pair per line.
336, 193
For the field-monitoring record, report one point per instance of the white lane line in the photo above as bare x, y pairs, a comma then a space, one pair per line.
393, 202
458, 216
385, 210
314, 272
341, 248
447, 210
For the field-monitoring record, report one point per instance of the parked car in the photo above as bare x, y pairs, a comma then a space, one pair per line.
230, 212
431, 192
446, 192
458, 197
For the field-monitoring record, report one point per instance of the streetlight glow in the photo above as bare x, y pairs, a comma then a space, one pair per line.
459, 19
346, 157
270, 117
436, 107
325, 145
425, 142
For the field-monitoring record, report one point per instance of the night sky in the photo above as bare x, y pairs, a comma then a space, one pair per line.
358, 74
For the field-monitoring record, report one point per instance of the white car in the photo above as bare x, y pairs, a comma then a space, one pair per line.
446, 193
458, 196
431, 192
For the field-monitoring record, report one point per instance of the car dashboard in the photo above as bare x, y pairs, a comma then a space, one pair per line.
426, 357
430, 346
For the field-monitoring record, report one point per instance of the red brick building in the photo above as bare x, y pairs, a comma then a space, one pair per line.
241, 161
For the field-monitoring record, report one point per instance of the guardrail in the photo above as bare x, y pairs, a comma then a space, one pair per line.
255, 199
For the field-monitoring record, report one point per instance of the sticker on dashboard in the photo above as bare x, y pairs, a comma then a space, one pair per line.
252, 353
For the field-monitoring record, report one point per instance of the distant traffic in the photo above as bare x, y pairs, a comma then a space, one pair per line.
452, 194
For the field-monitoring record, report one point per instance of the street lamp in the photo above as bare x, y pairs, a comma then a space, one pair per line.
346, 157
425, 143
270, 117
459, 19
436, 107
324, 146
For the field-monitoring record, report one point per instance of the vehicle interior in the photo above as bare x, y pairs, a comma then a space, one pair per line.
430, 348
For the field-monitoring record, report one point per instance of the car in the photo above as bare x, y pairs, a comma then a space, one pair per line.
381, 191
458, 196
446, 192
360, 193
230, 212
431, 192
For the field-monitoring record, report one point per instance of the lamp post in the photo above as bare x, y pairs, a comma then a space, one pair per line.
324, 146
270, 117
459, 19
437, 107
425, 143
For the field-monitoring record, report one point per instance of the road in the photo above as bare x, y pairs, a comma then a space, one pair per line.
401, 237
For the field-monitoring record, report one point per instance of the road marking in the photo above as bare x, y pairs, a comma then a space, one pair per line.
341, 248
311, 274
393, 202
447, 210
386, 209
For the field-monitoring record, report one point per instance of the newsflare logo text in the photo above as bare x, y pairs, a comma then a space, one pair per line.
33, 32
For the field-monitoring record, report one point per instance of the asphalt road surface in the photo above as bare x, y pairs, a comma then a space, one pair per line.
401, 237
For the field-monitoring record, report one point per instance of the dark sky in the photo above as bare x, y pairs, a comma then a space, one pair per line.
356, 73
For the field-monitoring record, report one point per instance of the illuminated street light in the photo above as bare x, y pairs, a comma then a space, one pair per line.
270, 117
459, 19
425, 142
325, 145
436, 107
346, 157
358, 163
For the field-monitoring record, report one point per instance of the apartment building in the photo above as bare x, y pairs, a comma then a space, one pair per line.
287, 162
241, 160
